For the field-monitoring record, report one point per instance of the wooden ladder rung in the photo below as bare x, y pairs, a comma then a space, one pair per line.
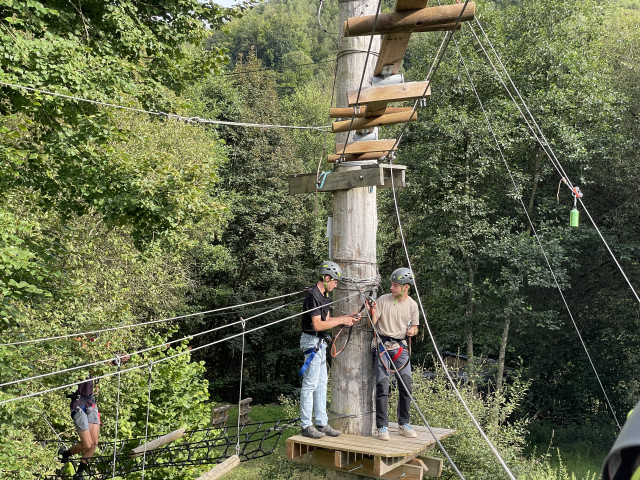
408, 21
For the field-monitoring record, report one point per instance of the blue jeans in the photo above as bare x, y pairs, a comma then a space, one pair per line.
313, 395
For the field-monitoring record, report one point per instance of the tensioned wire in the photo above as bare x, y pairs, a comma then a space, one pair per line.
432, 70
435, 345
539, 136
533, 228
413, 400
137, 367
149, 348
364, 71
174, 116
151, 322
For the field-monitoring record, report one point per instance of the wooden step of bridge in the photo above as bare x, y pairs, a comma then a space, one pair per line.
400, 457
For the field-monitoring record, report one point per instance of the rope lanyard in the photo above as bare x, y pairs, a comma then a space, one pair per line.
115, 439
240, 387
146, 427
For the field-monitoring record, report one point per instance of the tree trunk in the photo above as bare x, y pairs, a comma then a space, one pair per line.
503, 351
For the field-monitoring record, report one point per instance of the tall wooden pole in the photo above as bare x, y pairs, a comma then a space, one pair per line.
355, 222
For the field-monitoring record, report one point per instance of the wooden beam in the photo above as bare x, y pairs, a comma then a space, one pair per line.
366, 176
158, 442
366, 146
221, 469
370, 122
364, 467
350, 157
389, 93
407, 21
410, 4
433, 465
348, 112
392, 50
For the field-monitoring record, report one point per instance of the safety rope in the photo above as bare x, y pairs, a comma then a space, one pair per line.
115, 439
437, 350
146, 426
137, 367
240, 387
413, 400
546, 146
364, 71
537, 237
151, 322
174, 116
148, 349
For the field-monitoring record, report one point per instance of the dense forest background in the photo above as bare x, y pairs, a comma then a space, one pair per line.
113, 217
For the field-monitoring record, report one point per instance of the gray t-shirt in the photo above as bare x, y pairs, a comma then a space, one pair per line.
394, 317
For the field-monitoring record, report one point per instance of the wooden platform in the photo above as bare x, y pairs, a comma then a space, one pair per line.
400, 457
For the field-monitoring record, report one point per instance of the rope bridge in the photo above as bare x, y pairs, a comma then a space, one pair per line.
196, 447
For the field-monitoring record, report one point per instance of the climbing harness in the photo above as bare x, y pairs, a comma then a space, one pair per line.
312, 353
384, 351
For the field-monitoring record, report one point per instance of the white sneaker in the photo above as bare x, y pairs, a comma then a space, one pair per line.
407, 431
383, 433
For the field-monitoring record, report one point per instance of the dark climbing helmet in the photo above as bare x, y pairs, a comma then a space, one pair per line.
332, 269
403, 276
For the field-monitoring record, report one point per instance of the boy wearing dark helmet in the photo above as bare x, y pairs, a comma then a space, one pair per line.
316, 321
395, 316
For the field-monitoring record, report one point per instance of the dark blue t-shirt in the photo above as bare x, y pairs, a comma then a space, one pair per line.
318, 304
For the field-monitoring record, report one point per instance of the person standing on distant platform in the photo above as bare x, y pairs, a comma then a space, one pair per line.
316, 321
395, 317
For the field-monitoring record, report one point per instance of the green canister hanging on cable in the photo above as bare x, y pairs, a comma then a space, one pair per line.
574, 217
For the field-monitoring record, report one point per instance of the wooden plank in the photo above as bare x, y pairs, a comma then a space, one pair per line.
371, 122
350, 157
366, 146
389, 93
432, 465
410, 4
407, 21
221, 469
347, 113
392, 50
158, 442
364, 466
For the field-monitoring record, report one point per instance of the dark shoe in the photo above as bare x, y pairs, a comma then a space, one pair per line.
63, 455
312, 433
81, 468
329, 430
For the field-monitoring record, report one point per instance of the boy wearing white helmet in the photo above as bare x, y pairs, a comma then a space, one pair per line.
395, 316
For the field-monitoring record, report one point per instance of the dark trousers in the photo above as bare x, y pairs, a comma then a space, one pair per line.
382, 387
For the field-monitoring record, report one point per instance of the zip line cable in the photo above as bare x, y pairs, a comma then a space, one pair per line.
413, 400
164, 344
547, 147
137, 367
151, 322
364, 71
432, 70
435, 345
174, 116
538, 240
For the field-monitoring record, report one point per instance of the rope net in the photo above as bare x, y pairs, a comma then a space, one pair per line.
196, 447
